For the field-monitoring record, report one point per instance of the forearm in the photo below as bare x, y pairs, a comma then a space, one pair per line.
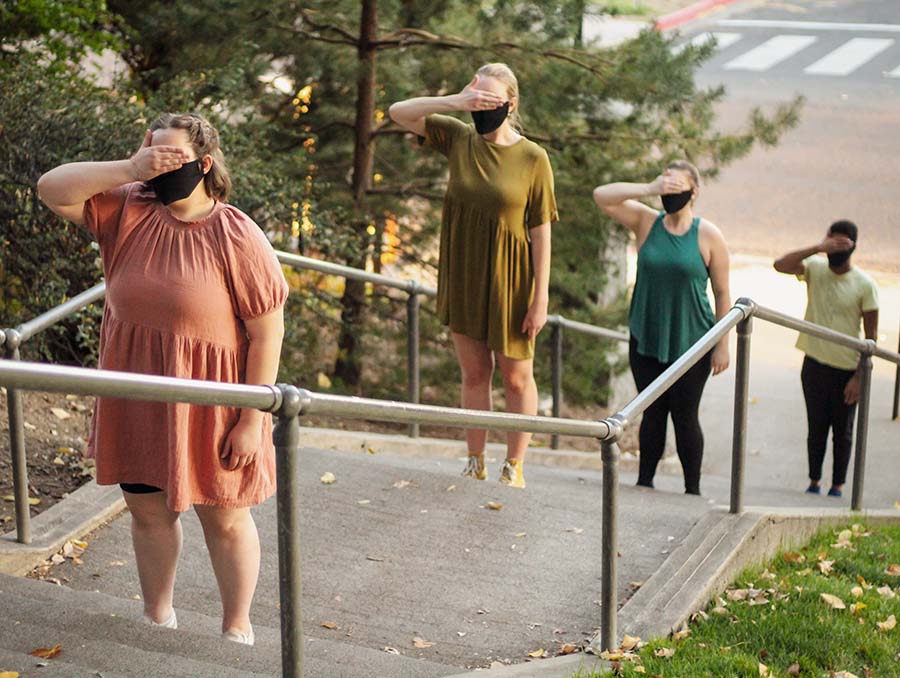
793, 260
615, 194
540, 261
76, 182
262, 368
416, 109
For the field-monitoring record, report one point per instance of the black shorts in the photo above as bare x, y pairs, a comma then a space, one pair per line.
139, 488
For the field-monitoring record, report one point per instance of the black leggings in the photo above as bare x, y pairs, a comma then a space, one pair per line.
823, 390
682, 401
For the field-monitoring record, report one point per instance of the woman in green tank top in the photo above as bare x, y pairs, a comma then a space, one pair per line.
678, 256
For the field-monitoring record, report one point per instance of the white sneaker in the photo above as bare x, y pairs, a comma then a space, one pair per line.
239, 636
170, 623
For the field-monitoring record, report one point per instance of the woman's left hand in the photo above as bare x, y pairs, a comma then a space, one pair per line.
720, 358
535, 318
241, 445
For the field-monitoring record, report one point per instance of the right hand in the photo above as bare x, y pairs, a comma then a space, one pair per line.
668, 183
151, 161
473, 99
835, 243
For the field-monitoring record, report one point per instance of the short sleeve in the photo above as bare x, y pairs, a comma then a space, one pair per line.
103, 214
541, 207
810, 267
255, 279
870, 296
441, 131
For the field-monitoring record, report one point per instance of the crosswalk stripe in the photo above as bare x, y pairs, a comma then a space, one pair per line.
723, 40
771, 52
894, 73
849, 56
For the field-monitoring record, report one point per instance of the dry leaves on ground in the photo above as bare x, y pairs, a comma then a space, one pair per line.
538, 654
888, 624
400, 484
833, 601
494, 505
893, 570
825, 566
47, 652
567, 648
664, 652
327, 478
330, 626
421, 643
631, 643
856, 591
886, 592
9, 674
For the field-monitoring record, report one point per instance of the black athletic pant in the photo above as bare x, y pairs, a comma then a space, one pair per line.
823, 390
682, 401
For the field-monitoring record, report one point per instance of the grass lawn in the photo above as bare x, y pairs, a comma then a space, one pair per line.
826, 611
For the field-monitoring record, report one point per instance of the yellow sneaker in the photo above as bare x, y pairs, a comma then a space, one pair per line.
475, 467
511, 473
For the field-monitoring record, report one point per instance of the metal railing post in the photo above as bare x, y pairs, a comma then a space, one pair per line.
287, 455
896, 411
412, 351
741, 401
17, 447
608, 598
556, 368
862, 429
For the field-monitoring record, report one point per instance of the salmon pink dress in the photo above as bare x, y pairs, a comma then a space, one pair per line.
177, 294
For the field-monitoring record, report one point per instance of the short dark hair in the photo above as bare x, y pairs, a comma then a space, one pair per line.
845, 227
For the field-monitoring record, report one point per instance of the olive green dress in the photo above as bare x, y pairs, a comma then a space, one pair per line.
495, 194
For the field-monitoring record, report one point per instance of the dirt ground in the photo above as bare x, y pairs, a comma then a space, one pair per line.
56, 432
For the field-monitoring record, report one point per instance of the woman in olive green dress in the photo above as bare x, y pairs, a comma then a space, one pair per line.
494, 267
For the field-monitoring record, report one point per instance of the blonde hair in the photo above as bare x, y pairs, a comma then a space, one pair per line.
685, 166
205, 141
504, 74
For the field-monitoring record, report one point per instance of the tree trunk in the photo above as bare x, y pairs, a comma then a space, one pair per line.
353, 303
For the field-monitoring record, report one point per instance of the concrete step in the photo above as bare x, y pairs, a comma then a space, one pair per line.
26, 666
101, 633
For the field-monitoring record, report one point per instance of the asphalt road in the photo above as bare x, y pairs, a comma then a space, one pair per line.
843, 56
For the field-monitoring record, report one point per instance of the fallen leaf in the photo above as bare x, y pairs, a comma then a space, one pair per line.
719, 610
327, 478
59, 461
763, 670
60, 413
630, 642
825, 566
494, 505
9, 674
855, 608
794, 669
568, 648
329, 625
856, 591
665, 652
681, 635
451, 488
34, 501
391, 650
806, 571
370, 450
635, 584
886, 592
30, 426
833, 601
376, 559
537, 654
363, 502
766, 575
887, 624
794, 557
519, 535
843, 674
47, 653
421, 643
400, 484
640, 669
323, 380
737, 594
56, 559
893, 570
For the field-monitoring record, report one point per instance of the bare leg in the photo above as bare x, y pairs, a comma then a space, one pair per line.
521, 398
156, 535
477, 364
233, 544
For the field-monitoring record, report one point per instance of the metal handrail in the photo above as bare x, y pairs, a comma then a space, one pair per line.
28, 329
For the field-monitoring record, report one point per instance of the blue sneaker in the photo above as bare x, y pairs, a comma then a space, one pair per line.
835, 492
813, 489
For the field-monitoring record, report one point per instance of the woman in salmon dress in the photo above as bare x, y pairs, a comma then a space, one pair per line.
194, 290
494, 271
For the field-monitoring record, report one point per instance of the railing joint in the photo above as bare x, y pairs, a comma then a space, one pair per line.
294, 401
871, 346
746, 306
13, 339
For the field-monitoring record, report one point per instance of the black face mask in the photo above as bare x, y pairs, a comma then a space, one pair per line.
488, 121
676, 201
178, 184
838, 259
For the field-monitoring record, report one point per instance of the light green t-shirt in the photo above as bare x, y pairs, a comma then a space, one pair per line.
836, 301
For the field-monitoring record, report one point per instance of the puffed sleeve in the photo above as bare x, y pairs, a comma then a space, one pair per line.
103, 214
541, 207
253, 273
442, 130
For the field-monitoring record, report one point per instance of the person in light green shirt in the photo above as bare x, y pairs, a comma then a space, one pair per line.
839, 297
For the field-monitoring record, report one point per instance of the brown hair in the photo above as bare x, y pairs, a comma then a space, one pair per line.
205, 141
685, 166
504, 74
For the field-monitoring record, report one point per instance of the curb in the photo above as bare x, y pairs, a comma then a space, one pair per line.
76, 515
398, 445
689, 13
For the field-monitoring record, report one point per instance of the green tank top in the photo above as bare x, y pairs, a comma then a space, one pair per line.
670, 309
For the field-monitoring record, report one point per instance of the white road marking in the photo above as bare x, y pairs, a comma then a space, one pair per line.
723, 40
809, 25
849, 56
894, 73
771, 52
